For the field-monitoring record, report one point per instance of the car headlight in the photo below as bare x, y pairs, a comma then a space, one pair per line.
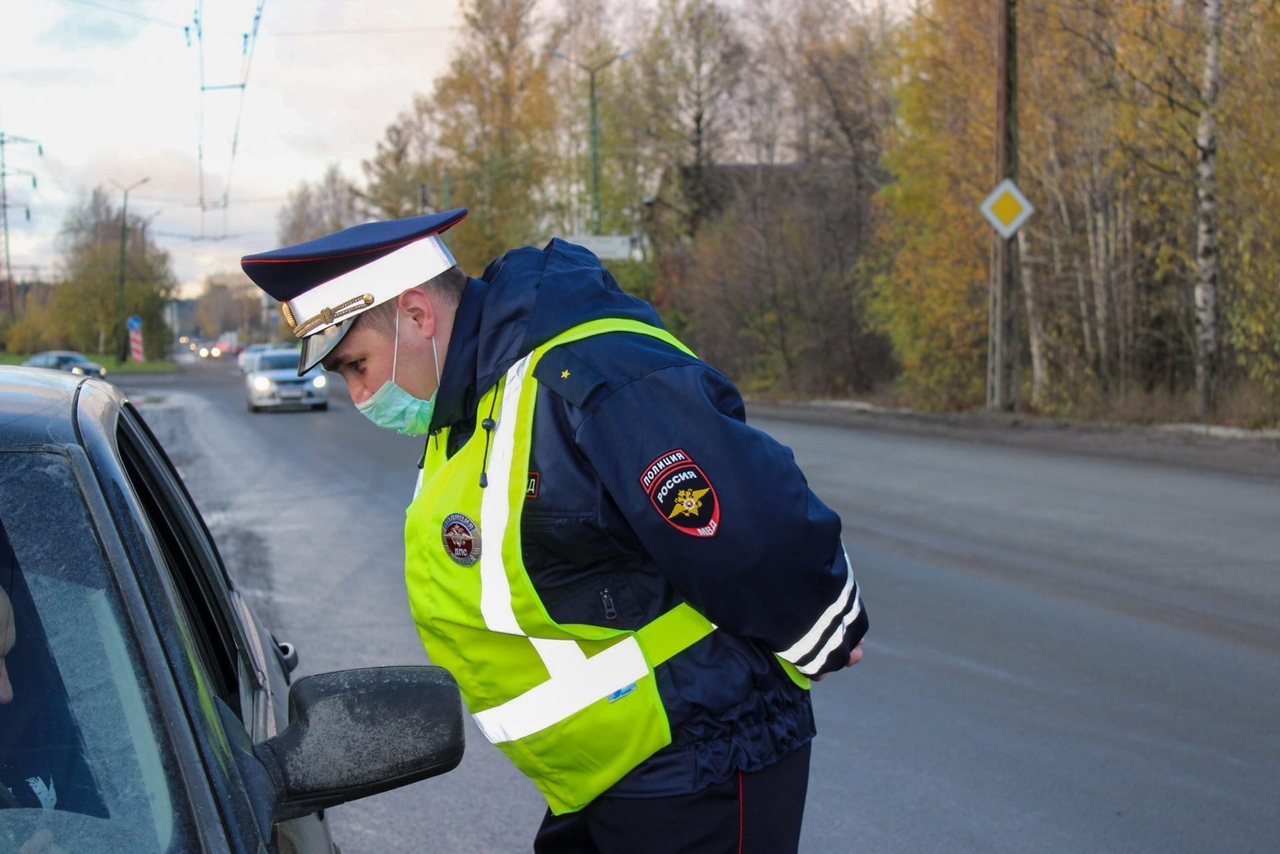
76, 369
215, 352
262, 384
320, 381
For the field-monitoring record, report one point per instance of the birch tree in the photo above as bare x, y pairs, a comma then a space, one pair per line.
314, 210
1206, 292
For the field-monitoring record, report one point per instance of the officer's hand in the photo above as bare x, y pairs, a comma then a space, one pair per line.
41, 842
854, 658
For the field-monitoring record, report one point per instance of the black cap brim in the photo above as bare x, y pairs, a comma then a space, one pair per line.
316, 347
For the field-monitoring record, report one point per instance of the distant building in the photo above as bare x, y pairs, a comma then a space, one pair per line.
692, 196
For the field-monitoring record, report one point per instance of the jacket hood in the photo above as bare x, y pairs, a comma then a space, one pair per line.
525, 298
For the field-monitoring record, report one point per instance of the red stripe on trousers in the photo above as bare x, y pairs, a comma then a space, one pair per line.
741, 812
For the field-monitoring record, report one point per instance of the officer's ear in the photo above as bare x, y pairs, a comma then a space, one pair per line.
418, 310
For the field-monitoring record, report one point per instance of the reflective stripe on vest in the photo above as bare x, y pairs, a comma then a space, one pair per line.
575, 681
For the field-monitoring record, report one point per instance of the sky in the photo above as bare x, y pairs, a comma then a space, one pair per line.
133, 95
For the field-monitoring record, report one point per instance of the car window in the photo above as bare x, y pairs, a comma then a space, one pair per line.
277, 362
191, 559
82, 762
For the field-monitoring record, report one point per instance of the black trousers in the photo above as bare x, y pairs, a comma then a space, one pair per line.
756, 813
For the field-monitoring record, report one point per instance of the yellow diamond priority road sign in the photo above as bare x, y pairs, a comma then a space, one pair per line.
1006, 208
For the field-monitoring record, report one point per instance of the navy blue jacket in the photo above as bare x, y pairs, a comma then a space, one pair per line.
647, 488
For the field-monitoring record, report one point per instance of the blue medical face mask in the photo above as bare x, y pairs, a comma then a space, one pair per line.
394, 408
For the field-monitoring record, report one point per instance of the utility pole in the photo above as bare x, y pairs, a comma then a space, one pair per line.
5, 140
1002, 341
122, 340
592, 70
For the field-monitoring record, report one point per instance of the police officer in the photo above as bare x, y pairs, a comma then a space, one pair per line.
631, 585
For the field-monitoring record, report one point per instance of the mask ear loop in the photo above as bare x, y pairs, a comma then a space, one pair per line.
395, 353
435, 356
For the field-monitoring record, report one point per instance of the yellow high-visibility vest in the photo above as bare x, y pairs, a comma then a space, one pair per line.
574, 706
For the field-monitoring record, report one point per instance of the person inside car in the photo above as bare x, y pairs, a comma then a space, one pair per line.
42, 761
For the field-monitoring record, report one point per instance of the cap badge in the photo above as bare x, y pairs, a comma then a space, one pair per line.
327, 315
461, 539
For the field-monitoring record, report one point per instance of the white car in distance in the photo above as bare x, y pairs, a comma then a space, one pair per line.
272, 381
249, 354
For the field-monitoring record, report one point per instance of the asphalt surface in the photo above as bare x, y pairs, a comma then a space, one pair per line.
1075, 629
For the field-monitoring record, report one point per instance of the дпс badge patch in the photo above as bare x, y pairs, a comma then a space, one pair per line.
682, 494
461, 539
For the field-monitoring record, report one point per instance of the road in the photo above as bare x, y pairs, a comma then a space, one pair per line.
1069, 651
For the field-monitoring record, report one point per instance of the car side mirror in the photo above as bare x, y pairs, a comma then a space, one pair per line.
355, 733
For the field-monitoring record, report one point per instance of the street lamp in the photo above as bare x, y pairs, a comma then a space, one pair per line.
123, 338
6, 139
595, 129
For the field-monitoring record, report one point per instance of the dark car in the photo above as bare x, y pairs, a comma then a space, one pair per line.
143, 705
66, 360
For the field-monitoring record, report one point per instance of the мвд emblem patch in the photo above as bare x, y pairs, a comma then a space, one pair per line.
461, 539
681, 492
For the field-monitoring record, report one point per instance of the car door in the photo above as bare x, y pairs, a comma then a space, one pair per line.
238, 663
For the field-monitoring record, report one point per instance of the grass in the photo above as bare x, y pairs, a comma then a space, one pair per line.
1241, 403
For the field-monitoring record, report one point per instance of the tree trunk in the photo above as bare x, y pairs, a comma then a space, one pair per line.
1095, 228
1206, 289
1071, 249
1035, 325
1120, 294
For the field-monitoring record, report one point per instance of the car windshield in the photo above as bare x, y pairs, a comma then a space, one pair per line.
278, 361
81, 764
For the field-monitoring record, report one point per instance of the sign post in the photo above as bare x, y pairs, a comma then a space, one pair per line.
1002, 208
135, 339
606, 247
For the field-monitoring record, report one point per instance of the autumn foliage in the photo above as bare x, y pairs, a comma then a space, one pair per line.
803, 179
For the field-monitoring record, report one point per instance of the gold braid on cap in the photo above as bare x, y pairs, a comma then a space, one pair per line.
326, 315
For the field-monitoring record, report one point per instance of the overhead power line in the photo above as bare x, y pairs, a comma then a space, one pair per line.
379, 31
125, 13
248, 44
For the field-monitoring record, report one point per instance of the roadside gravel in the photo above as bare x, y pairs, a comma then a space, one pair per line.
1223, 449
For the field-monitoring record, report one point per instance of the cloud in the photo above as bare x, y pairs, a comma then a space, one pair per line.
88, 29
116, 90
